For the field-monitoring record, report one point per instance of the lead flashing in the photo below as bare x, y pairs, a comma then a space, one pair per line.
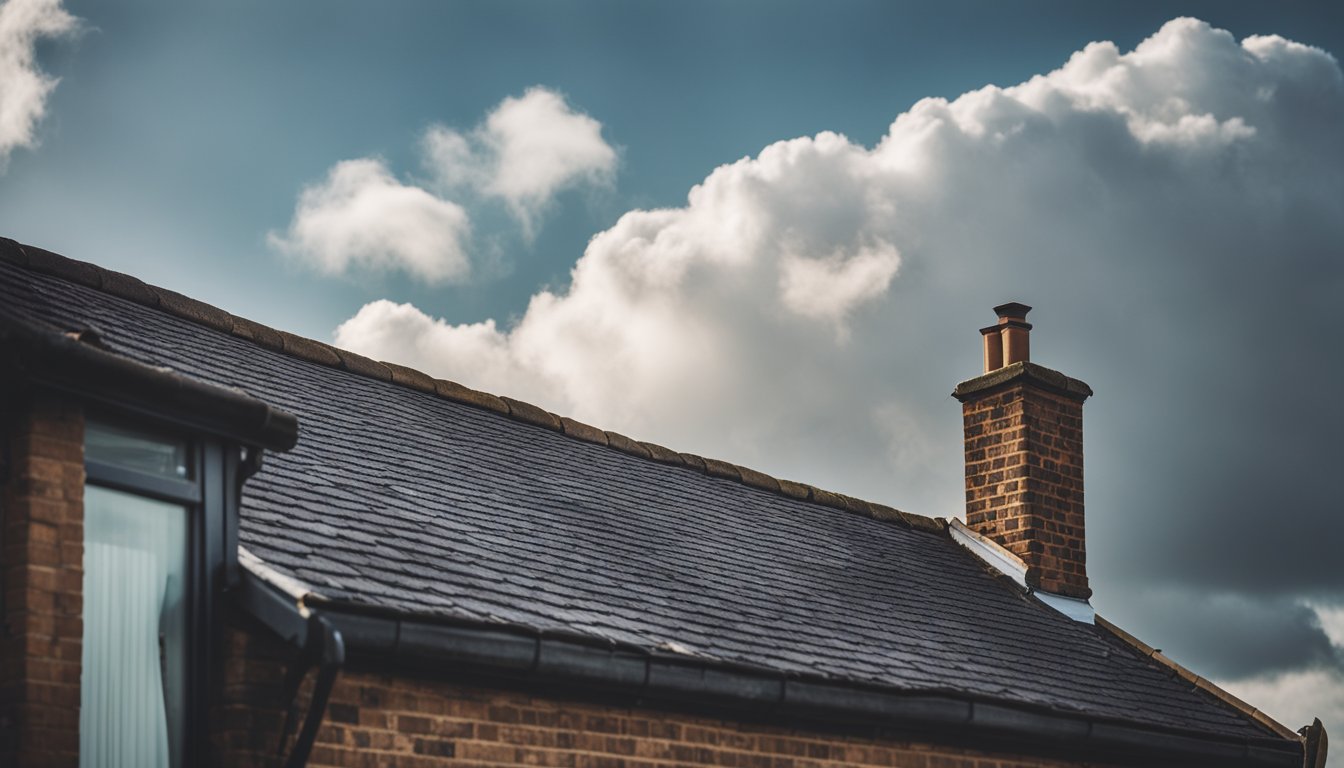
989, 552
1075, 608
1002, 560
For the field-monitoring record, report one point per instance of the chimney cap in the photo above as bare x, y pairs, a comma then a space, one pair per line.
1013, 309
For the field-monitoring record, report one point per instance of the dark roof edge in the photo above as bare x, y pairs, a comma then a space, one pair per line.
567, 659
1199, 682
1045, 378
132, 289
70, 362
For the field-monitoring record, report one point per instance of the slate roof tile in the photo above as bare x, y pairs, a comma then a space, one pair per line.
469, 506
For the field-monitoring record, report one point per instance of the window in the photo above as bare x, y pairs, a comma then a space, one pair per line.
153, 546
132, 695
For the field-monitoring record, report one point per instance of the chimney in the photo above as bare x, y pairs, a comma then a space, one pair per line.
1024, 457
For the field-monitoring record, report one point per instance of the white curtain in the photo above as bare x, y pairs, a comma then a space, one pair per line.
131, 686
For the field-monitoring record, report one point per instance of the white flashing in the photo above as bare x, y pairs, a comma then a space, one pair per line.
995, 556
1073, 607
287, 584
1005, 562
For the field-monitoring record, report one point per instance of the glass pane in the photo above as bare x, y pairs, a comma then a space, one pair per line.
135, 450
133, 684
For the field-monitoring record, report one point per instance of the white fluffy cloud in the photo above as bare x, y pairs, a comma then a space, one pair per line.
361, 216
830, 287
528, 148
725, 311
23, 87
1176, 215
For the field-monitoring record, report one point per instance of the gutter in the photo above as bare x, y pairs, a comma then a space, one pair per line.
572, 662
325, 649
75, 363
322, 646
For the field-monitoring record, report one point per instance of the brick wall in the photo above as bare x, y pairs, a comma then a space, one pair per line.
379, 719
1024, 480
41, 559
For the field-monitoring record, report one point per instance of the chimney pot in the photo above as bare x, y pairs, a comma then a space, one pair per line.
1016, 332
993, 348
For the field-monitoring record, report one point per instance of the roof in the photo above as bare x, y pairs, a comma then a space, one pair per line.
77, 363
422, 498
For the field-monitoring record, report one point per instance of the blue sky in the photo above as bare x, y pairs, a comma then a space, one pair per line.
1175, 213
181, 134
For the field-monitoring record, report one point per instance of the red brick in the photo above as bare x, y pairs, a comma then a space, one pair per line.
380, 720
41, 515
1024, 473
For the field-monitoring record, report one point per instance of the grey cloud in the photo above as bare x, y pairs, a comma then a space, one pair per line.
1231, 637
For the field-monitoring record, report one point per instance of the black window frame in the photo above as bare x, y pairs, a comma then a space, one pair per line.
210, 496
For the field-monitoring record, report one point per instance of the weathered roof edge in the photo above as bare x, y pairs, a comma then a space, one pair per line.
1199, 682
1015, 568
132, 289
74, 362
566, 658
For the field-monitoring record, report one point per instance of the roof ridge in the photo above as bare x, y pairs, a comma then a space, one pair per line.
133, 289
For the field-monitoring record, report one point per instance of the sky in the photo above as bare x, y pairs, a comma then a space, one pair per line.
769, 232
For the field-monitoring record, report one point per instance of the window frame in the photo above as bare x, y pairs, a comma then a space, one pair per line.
210, 497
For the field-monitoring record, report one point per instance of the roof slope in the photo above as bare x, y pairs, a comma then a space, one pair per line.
398, 499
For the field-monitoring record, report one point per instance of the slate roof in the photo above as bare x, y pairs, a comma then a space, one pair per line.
399, 498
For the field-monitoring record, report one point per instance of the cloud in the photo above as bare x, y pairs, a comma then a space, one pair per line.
23, 87
1305, 691
402, 332
360, 216
1233, 636
1176, 215
529, 148
831, 287
1295, 698
1190, 151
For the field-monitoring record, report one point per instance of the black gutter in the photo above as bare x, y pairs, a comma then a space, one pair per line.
326, 651
322, 646
72, 362
578, 663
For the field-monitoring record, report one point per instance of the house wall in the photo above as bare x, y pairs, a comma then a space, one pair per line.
41, 563
377, 719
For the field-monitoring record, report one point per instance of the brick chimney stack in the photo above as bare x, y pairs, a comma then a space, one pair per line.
1024, 457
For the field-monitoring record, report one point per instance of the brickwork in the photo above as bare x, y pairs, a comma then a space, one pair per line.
1024, 480
413, 722
41, 552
